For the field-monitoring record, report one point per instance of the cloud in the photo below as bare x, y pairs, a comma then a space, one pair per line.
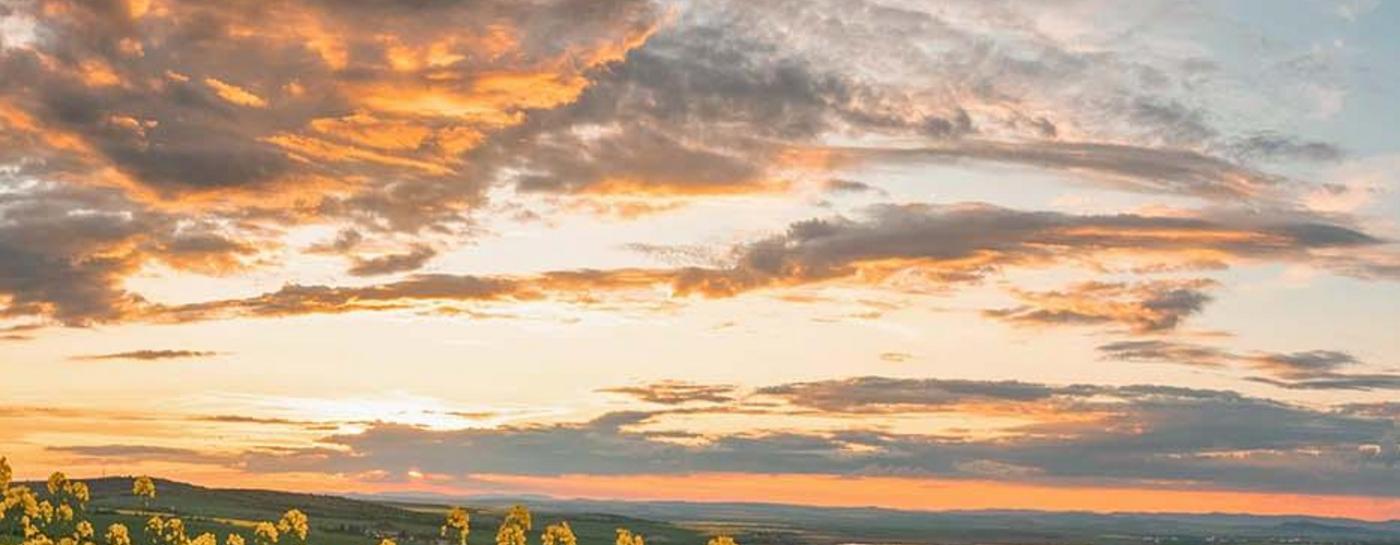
1123, 166
1168, 351
1308, 370
1146, 307
401, 118
344, 241
1087, 434
393, 263
952, 243
837, 185
677, 392
896, 357
144, 453
945, 245
218, 106
150, 355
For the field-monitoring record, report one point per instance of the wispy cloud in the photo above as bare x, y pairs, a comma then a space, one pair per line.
149, 355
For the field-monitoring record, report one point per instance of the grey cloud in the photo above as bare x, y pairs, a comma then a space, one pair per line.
1124, 166
65, 252
677, 393
837, 185
144, 453
149, 355
344, 241
1146, 307
393, 263
1279, 146
947, 245
1142, 434
1168, 351
978, 238
1308, 370
879, 394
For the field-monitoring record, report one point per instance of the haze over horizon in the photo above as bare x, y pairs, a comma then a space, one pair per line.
917, 254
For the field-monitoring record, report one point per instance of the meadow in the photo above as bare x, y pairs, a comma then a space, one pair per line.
140, 510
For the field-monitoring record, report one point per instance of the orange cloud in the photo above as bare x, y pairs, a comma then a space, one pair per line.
235, 94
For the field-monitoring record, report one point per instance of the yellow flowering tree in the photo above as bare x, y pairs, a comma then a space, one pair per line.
457, 525
558, 534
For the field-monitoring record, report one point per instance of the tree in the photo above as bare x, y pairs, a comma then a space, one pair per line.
458, 525
558, 534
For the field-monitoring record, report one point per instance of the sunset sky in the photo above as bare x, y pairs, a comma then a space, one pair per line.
1097, 255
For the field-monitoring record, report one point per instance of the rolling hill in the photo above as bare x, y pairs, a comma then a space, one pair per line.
413, 519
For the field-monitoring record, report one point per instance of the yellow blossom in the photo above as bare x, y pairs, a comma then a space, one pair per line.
57, 483
265, 533
626, 537
558, 534
295, 523
79, 492
117, 534
458, 524
513, 526
143, 487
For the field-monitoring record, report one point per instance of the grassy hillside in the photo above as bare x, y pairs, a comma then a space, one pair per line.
334, 520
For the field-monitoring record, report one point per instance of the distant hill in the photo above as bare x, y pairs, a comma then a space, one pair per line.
826, 525
415, 518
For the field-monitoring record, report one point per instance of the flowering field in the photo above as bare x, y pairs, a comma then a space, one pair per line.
143, 511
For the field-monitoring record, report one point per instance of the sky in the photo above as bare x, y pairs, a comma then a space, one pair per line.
1069, 255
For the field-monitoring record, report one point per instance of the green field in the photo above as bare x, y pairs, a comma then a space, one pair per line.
334, 520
